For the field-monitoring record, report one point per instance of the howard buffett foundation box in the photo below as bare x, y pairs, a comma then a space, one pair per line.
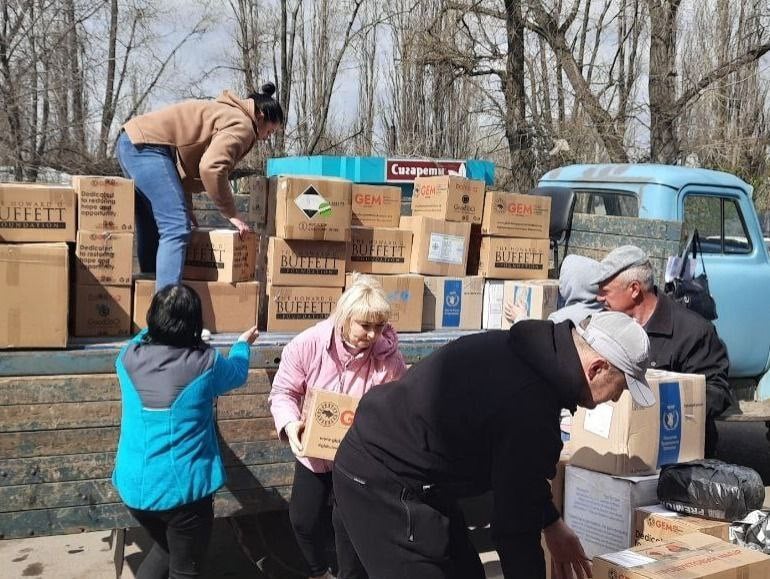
227, 307
316, 208
379, 250
514, 258
622, 438
328, 416
34, 295
104, 203
293, 262
449, 197
220, 255
36, 213
693, 556
376, 205
293, 309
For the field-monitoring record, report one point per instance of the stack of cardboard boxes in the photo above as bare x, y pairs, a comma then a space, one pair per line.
444, 209
104, 250
36, 223
514, 254
306, 256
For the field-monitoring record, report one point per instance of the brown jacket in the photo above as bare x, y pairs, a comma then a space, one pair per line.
210, 137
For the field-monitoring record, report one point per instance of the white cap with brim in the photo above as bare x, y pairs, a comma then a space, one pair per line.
621, 341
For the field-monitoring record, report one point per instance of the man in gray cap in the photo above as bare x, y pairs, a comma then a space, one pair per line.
680, 340
480, 414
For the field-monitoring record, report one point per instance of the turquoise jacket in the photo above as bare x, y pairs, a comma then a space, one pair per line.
169, 456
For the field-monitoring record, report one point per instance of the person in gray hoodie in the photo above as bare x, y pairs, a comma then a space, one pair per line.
577, 292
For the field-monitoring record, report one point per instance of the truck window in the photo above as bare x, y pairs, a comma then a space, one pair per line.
720, 224
615, 203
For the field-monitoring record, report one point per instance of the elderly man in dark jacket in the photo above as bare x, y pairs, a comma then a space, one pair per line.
680, 340
480, 414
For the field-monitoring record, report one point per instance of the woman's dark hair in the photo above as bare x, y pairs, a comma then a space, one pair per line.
265, 103
175, 317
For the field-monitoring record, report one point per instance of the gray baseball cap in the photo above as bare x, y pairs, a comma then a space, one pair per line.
618, 260
621, 341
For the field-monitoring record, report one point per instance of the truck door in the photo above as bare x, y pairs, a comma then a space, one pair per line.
738, 270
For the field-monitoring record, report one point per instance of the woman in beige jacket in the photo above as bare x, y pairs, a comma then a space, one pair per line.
188, 148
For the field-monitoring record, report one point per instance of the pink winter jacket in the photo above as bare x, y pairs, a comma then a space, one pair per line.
317, 358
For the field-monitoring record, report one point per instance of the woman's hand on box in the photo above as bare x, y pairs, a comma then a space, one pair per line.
293, 432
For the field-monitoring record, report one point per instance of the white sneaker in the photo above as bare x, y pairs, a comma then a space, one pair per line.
205, 335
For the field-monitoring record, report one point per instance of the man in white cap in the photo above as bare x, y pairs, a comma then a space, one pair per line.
680, 340
480, 414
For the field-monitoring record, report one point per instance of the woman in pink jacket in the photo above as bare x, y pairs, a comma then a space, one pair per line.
352, 351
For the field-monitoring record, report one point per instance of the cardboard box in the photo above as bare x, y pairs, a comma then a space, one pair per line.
557, 494
327, 416
514, 258
404, 292
656, 523
452, 303
227, 307
102, 311
376, 205
515, 215
379, 250
292, 262
600, 507
438, 247
691, 556
257, 188
624, 439
450, 198
293, 309
36, 213
538, 299
105, 203
316, 208
220, 255
34, 285
104, 258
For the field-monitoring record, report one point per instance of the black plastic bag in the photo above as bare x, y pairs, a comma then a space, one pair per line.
711, 488
693, 293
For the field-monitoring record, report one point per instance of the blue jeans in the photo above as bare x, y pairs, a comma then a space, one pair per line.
162, 223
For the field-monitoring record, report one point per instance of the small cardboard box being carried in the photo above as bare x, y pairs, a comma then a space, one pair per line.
34, 295
623, 438
104, 258
514, 258
220, 255
294, 262
327, 416
316, 208
693, 556
227, 307
453, 303
438, 247
537, 299
293, 309
449, 197
515, 215
655, 523
404, 292
376, 205
32, 213
380, 250
102, 311
600, 507
105, 203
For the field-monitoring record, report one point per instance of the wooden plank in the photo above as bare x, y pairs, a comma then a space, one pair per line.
101, 491
30, 417
753, 411
89, 440
39, 522
628, 226
73, 467
604, 241
244, 406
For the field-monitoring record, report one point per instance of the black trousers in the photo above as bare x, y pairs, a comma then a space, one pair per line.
180, 539
396, 531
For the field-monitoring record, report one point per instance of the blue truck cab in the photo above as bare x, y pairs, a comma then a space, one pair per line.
735, 253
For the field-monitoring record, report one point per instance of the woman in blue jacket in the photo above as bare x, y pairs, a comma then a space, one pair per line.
168, 463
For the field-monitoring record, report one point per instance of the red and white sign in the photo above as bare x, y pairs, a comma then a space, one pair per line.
407, 170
